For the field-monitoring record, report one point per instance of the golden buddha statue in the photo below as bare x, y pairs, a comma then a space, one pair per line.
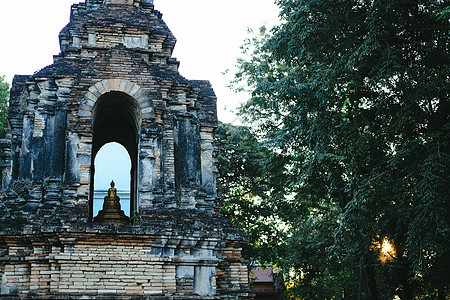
112, 192
111, 212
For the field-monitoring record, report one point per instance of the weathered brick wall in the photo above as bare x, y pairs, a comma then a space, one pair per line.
233, 270
53, 112
95, 267
115, 81
118, 265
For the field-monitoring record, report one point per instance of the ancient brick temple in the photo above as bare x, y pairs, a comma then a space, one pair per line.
114, 81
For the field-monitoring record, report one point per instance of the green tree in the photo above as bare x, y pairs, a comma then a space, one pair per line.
242, 185
4, 98
352, 97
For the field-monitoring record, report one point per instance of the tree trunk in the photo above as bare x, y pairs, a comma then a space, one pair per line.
406, 289
367, 281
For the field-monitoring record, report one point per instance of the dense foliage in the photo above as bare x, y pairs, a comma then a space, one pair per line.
351, 100
241, 183
4, 97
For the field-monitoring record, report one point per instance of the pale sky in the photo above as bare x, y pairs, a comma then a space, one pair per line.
209, 35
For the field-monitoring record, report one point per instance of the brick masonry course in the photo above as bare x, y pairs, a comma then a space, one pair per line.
115, 81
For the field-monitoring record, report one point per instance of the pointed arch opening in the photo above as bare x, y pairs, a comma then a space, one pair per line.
116, 118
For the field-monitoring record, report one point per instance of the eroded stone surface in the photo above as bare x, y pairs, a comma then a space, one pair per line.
115, 80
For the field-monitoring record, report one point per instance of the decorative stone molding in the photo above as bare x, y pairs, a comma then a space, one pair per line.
115, 81
116, 85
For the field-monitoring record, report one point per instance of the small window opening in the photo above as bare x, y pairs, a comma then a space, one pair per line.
112, 163
116, 119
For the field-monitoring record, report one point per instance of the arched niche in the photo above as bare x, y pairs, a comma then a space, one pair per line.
112, 162
116, 118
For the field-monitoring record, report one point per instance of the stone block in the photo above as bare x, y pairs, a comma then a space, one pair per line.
167, 123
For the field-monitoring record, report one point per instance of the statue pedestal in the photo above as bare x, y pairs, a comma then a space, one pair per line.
111, 212
111, 215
